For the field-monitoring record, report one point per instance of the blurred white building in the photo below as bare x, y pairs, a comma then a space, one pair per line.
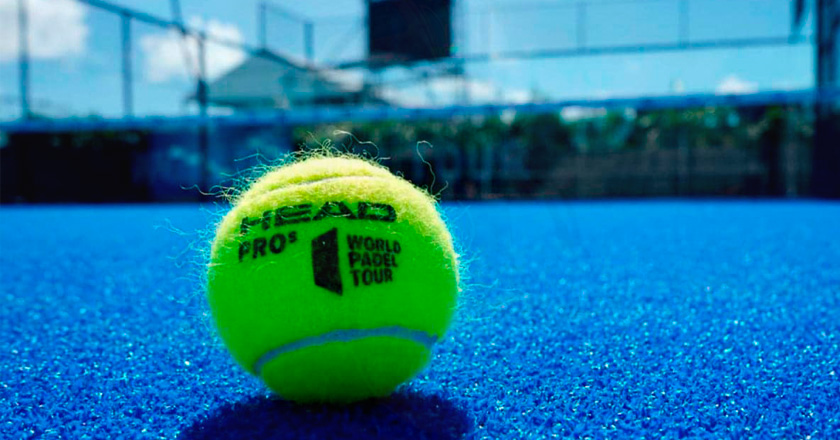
270, 81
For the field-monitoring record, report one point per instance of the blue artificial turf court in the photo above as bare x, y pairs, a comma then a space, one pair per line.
632, 319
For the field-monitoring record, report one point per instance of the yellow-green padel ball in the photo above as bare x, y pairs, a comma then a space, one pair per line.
331, 279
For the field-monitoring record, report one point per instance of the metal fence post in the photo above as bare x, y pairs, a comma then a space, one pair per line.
203, 126
127, 77
23, 46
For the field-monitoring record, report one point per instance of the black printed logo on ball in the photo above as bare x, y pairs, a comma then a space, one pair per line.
325, 261
307, 212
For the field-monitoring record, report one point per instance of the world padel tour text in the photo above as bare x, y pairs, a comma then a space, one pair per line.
371, 259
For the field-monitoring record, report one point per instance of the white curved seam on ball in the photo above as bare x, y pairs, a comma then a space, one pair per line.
425, 339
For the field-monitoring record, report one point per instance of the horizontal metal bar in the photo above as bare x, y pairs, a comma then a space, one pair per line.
641, 48
137, 15
787, 40
283, 12
281, 118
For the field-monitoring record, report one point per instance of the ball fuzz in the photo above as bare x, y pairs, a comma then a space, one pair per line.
331, 279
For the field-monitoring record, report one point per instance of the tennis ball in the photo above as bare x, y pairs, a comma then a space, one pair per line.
331, 279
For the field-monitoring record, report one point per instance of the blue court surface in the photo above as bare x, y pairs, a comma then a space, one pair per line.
654, 319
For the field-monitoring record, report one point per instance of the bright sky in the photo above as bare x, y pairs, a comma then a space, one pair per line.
76, 59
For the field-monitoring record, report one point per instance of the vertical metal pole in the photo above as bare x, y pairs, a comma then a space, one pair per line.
485, 25
825, 175
827, 19
203, 126
683, 22
491, 23
261, 10
309, 41
789, 158
458, 35
581, 25
23, 46
368, 73
462, 32
127, 78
